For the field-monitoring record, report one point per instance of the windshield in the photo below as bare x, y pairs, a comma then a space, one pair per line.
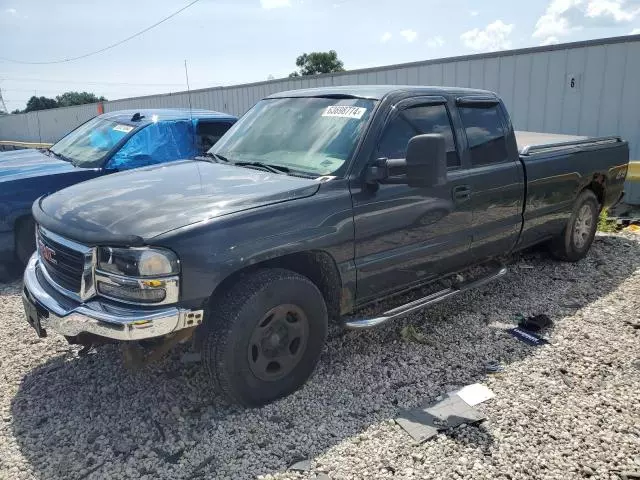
90, 142
312, 136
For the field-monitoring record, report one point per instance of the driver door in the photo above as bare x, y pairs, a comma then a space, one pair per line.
405, 236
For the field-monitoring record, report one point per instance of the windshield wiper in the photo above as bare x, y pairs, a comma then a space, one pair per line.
266, 166
61, 157
215, 156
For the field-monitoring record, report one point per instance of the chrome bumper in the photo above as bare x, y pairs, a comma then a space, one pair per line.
71, 318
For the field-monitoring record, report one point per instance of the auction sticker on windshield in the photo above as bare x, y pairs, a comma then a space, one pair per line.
123, 128
344, 111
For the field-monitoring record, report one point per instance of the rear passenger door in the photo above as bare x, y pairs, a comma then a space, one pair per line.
406, 235
496, 179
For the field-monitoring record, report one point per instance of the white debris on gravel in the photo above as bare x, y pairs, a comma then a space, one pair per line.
570, 409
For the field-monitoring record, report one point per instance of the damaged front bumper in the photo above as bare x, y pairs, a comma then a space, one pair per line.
46, 308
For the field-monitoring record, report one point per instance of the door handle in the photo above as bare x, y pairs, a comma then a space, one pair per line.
461, 193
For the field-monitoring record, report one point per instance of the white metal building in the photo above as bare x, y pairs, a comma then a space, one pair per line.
586, 88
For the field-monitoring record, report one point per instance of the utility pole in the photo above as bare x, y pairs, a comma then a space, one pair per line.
3, 106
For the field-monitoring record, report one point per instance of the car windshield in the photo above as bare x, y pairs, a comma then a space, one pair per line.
90, 142
312, 136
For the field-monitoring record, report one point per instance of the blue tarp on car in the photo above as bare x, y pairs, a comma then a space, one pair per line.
158, 142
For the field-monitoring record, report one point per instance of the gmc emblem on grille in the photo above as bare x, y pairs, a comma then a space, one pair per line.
47, 253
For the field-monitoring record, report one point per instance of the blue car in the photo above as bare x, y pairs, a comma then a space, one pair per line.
108, 143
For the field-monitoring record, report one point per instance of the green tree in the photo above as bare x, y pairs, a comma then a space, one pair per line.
78, 98
318, 62
40, 103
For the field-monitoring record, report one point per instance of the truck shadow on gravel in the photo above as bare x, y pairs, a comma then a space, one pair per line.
88, 417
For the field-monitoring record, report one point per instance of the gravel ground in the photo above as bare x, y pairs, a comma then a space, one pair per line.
570, 409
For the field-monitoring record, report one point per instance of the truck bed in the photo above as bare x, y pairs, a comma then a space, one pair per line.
557, 168
537, 139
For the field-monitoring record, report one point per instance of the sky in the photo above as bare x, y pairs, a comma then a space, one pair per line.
228, 42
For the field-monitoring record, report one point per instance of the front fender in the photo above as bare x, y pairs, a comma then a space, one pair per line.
214, 250
17, 196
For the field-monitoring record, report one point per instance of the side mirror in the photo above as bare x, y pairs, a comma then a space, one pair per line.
425, 164
427, 161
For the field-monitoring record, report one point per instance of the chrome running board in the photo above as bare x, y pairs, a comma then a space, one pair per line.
402, 310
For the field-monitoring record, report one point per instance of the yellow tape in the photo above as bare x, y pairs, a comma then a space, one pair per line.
633, 172
25, 144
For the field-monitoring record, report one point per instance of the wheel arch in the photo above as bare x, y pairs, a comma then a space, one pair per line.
598, 186
316, 265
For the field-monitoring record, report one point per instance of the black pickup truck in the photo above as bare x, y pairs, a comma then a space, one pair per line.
313, 204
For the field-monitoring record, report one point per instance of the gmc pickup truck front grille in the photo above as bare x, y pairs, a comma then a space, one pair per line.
63, 261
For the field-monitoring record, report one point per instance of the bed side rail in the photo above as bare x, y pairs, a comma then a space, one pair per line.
531, 149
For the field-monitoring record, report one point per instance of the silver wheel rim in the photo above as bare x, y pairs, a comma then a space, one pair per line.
582, 226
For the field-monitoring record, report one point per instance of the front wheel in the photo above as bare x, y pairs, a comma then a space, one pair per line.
263, 337
575, 240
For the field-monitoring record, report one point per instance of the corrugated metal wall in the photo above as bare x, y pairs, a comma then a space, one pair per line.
587, 88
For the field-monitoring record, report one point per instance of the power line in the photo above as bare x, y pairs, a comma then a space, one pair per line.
105, 48
27, 79
53, 90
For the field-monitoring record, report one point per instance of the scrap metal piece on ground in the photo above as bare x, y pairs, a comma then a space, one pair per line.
424, 423
420, 425
454, 411
475, 394
529, 338
493, 367
301, 466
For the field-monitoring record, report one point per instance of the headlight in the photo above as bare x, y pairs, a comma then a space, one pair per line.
138, 275
138, 262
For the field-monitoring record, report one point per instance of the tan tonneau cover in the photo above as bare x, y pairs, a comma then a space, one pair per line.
531, 139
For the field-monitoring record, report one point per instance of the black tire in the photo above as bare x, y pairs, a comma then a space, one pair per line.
238, 346
25, 239
575, 240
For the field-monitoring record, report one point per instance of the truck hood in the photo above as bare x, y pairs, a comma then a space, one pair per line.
129, 208
20, 164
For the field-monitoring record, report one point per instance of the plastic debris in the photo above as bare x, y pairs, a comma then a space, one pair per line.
493, 367
412, 334
518, 317
527, 337
535, 323
475, 394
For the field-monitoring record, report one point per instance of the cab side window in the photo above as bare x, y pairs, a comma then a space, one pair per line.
486, 134
416, 121
208, 133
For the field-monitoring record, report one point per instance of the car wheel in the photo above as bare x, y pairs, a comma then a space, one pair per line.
25, 239
577, 237
263, 337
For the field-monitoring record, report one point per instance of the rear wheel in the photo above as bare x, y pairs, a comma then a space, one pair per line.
575, 240
25, 239
264, 336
